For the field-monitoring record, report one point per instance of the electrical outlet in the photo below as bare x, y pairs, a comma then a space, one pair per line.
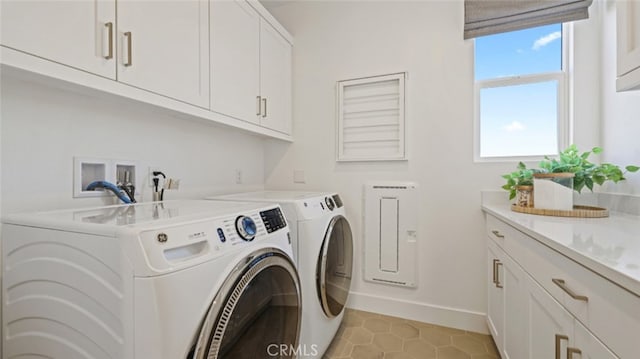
298, 176
238, 176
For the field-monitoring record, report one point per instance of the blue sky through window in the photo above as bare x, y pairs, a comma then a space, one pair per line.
521, 52
519, 119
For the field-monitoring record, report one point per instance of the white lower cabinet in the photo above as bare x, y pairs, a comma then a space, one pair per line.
534, 321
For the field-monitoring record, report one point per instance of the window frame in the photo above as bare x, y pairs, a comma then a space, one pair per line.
563, 78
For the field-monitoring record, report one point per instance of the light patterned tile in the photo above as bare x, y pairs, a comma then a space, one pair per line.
366, 352
468, 344
388, 342
452, 353
435, 336
419, 349
377, 325
397, 355
360, 336
405, 330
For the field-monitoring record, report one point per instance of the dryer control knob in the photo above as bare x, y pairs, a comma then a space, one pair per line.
330, 204
246, 228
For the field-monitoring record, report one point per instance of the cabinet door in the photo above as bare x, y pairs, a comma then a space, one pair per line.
275, 79
628, 35
589, 345
515, 308
164, 48
73, 33
235, 60
495, 310
550, 326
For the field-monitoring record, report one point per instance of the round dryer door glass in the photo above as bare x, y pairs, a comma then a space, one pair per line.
256, 313
334, 266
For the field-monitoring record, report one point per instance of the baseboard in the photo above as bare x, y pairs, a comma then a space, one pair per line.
434, 314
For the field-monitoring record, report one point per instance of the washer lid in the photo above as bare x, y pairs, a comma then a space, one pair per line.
104, 220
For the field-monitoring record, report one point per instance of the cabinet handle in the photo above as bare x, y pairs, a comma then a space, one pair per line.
561, 283
264, 103
129, 60
495, 270
571, 351
497, 233
258, 107
109, 27
559, 338
498, 284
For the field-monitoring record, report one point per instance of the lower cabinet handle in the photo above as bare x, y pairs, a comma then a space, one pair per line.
495, 271
571, 351
559, 338
561, 283
497, 233
498, 284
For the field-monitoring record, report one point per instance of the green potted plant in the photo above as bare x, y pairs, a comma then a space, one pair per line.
520, 185
572, 171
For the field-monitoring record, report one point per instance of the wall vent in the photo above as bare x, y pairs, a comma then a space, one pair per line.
371, 118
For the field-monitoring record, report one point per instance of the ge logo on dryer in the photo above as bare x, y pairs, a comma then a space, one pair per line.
162, 237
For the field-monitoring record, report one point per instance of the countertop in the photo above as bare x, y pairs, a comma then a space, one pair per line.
608, 246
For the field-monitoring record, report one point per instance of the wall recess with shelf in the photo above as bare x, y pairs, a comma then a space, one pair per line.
87, 170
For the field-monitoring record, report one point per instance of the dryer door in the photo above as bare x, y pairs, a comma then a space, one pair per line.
256, 313
334, 266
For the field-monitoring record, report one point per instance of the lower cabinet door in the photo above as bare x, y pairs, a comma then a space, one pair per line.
495, 309
550, 326
515, 306
589, 346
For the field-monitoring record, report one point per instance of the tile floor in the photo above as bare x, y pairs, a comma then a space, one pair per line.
365, 335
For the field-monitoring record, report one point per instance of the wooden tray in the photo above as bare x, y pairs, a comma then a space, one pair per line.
578, 211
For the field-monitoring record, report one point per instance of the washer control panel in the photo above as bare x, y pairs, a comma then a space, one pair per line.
273, 219
246, 228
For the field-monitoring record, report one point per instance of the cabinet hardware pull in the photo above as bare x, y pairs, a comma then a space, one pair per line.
498, 284
495, 271
258, 107
264, 102
109, 27
571, 351
497, 233
129, 61
561, 283
559, 338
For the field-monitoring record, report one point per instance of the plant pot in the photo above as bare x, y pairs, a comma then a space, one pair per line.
524, 196
553, 190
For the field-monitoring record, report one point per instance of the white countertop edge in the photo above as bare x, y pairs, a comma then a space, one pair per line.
624, 281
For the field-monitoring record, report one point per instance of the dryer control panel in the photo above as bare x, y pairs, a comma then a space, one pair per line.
273, 219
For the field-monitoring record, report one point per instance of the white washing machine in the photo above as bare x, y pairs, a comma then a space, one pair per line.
172, 280
323, 249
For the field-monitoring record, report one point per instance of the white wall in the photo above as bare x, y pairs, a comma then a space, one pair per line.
44, 127
621, 124
342, 40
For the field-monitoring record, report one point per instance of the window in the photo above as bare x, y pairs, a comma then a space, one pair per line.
520, 94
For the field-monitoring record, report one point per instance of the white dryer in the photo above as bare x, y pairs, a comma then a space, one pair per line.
323, 249
172, 280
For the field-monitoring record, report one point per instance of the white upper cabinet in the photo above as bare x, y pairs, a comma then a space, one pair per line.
164, 48
235, 60
228, 61
628, 42
74, 33
275, 79
250, 66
